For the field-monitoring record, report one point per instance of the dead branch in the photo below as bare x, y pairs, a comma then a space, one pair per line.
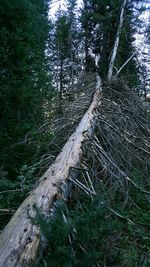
20, 240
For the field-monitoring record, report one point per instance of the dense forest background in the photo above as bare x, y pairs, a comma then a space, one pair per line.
45, 64
25, 92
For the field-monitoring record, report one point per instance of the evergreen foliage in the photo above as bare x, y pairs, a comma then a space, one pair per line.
62, 44
65, 58
25, 88
95, 235
98, 17
126, 50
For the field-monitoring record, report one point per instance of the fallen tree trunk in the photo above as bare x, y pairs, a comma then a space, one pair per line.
20, 239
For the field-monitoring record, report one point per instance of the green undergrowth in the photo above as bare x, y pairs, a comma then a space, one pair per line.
18, 178
111, 229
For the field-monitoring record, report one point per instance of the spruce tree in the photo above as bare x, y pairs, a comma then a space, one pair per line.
24, 86
61, 48
99, 22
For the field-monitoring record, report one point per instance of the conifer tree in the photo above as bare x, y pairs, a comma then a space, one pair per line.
99, 22
65, 50
73, 38
24, 86
61, 46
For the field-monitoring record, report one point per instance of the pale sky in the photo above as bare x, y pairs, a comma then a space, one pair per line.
62, 3
142, 46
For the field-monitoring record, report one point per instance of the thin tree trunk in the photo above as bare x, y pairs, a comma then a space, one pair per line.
57, 77
86, 40
116, 44
127, 61
72, 74
61, 85
86, 52
20, 240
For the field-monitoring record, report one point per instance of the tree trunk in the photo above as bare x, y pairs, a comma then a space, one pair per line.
72, 72
72, 63
61, 85
57, 76
116, 44
20, 239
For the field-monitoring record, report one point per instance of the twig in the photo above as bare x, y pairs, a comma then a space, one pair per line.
12, 191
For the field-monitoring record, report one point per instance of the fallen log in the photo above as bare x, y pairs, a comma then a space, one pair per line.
20, 239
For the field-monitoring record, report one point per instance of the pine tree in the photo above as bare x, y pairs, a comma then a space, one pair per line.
73, 39
99, 22
61, 46
24, 86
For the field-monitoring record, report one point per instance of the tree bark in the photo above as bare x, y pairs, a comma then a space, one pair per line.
20, 239
116, 44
